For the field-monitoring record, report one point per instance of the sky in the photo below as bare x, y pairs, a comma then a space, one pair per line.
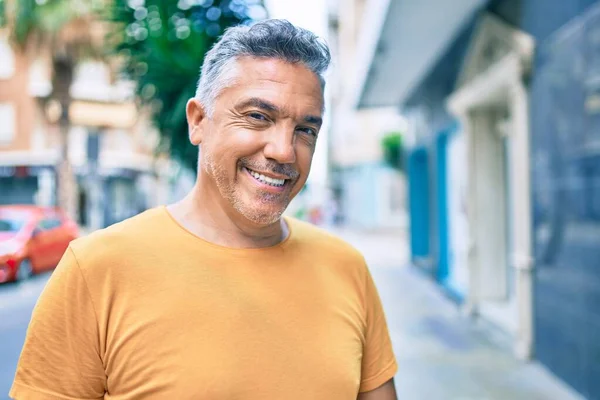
311, 15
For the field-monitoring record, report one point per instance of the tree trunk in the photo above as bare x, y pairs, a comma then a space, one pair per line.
67, 199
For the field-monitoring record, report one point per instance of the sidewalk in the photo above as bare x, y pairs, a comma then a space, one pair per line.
441, 354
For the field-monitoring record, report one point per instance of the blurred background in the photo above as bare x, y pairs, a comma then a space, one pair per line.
460, 153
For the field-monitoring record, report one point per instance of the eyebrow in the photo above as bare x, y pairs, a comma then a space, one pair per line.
258, 103
312, 119
268, 106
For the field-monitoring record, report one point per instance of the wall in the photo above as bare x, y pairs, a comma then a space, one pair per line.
565, 167
372, 196
15, 91
359, 206
358, 134
541, 18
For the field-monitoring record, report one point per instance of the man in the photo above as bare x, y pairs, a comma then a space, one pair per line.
218, 296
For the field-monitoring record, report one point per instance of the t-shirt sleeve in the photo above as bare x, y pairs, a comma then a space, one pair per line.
378, 363
61, 356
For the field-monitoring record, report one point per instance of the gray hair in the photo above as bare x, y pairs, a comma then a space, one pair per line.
271, 38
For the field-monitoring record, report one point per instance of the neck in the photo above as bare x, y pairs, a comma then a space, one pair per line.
202, 213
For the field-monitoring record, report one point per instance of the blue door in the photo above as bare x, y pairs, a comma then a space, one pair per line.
441, 155
418, 197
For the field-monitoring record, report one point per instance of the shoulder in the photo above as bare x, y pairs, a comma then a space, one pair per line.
119, 240
324, 243
333, 259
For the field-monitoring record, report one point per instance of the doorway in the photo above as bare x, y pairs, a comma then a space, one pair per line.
493, 110
491, 219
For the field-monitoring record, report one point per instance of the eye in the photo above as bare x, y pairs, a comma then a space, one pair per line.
309, 131
257, 116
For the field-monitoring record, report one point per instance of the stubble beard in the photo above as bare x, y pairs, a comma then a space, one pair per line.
229, 192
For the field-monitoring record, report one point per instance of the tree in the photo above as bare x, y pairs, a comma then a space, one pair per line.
66, 30
162, 44
392, 148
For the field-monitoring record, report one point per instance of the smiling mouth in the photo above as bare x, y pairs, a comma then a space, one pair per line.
267, 180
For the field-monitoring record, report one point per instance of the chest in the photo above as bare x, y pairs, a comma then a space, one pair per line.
229, 337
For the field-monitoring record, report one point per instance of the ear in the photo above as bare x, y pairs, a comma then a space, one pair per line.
196, 117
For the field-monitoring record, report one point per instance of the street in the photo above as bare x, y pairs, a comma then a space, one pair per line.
441, 354
16, 303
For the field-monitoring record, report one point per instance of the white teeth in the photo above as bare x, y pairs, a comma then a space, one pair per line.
266, 179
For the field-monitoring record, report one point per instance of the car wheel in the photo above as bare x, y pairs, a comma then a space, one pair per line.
25, 270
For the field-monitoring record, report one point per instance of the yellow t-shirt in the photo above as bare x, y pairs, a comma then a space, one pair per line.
147, 310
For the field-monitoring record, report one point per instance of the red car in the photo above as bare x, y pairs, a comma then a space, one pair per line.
32, 240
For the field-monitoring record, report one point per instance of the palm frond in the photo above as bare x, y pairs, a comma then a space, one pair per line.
48, 19
3, 11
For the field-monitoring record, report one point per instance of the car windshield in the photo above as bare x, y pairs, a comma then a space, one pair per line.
12, 225
12, 221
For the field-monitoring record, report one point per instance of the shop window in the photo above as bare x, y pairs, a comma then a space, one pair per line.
7, 123
7, 66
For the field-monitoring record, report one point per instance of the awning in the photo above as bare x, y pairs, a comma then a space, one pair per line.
29, 158
103, 115
413, 37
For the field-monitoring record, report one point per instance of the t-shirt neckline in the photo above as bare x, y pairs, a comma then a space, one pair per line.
216, 246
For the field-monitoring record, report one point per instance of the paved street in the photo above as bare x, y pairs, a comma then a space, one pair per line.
16, 303
441, 354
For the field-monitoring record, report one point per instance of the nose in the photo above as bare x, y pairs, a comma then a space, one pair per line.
281, 147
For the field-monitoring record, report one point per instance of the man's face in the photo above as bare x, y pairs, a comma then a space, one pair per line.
257, 147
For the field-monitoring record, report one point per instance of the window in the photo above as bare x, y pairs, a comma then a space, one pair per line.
11, 225
7, 66
7, 123
49, 223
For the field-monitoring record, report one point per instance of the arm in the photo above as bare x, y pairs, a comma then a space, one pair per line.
387, 391
378, 363
61, 358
